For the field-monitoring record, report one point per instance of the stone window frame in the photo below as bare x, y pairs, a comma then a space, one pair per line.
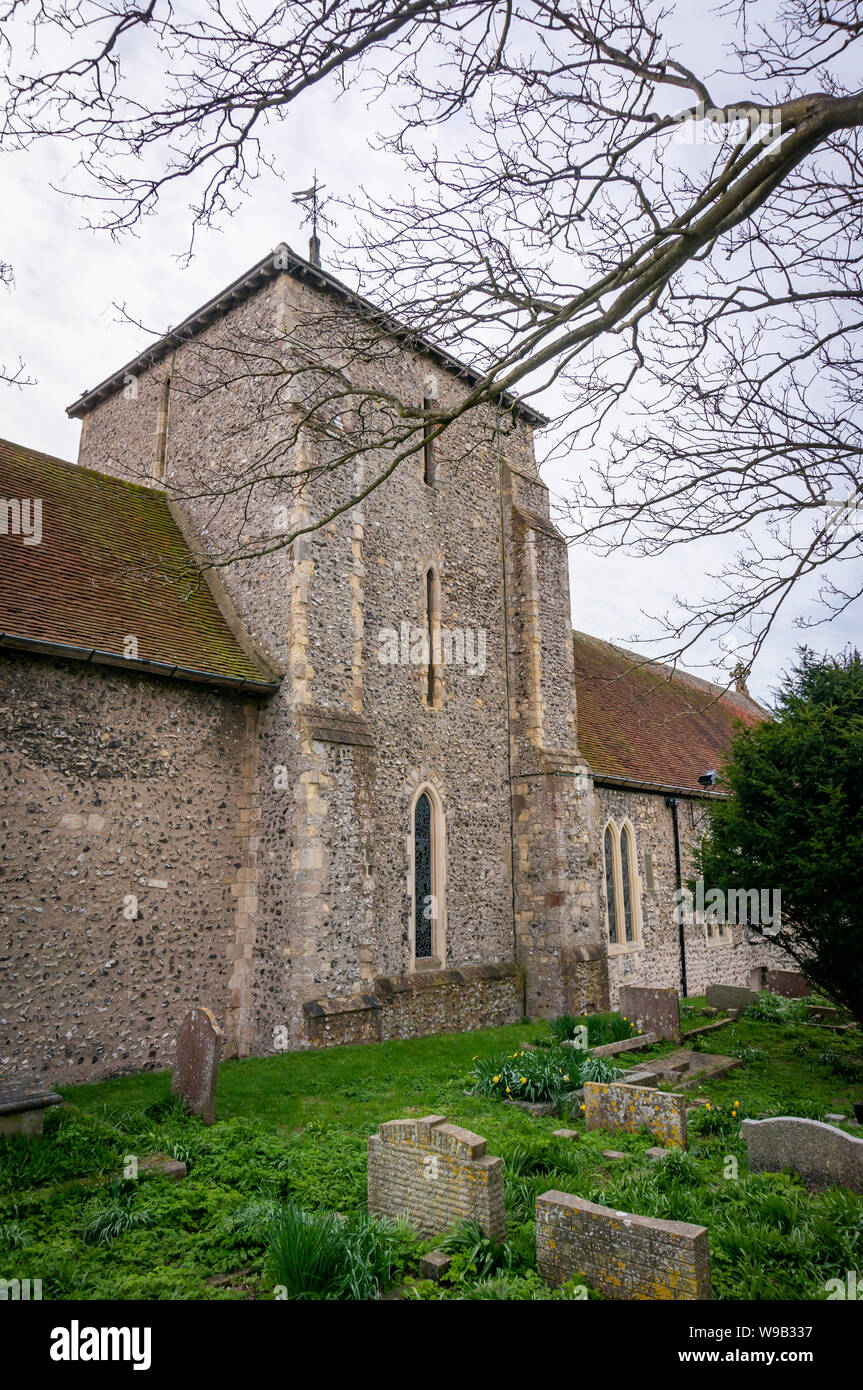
437, 960
433, 672
620, 946
718, 933
429, 453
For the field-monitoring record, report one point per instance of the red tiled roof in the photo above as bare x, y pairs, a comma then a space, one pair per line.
111, 563
646, 723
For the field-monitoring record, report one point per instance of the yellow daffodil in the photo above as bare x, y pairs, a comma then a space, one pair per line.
523, 1080
495, 1078
566, 1078
708, 1106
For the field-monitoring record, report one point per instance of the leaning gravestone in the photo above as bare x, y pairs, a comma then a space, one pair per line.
196, 1069
823, 1155
730, 997
653, 1010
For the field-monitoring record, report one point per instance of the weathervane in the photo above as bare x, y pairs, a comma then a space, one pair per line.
310, 196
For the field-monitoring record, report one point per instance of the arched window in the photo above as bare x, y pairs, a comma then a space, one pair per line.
622, 886
428, 867
628, 872
610, 896
423, 894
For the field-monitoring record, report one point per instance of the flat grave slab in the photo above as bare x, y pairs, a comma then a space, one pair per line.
22, 1106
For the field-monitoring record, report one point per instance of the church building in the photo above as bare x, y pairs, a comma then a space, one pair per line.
249, 785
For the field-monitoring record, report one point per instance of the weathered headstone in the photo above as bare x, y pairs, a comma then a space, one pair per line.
623, 1255
789, 983
653, 1010
436, 1175
823, 1155
23, 1105
614, 1107
730, 996
196, 1069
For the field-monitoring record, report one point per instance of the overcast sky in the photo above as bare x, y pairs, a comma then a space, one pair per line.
63, 318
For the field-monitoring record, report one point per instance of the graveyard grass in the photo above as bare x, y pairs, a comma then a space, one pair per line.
292, 1130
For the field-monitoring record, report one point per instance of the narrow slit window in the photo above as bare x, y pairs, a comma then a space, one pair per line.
626, 881
430, 620
423, 887
161, 451
428, 444
609, 885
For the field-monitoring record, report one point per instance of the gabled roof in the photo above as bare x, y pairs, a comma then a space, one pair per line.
111, 563
639, 721
282, 260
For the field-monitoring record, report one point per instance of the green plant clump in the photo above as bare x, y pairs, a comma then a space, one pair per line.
547, 1075
772, 1008
322, 1255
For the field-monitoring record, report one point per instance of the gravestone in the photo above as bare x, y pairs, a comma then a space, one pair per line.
436, 1175
615, 1106
789, 983
196, 1069
653, 1010
623, 1255
823, 1155
22, 1106
730, 997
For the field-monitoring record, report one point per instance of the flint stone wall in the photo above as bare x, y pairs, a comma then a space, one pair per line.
437, 1175
613, 1107
410, 1006
124, 881
622, 1255
823, 1155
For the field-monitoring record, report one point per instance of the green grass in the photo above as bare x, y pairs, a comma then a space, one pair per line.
291, 1135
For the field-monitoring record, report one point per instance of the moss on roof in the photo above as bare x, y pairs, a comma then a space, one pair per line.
111, 564
645, 722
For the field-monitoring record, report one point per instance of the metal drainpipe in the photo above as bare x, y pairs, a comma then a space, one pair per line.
674, 802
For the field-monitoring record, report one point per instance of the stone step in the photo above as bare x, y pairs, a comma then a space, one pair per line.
626, 1045
707, 1027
